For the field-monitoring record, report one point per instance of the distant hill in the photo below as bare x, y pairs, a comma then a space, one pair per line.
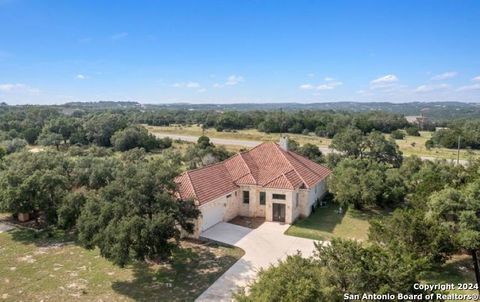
435, 111
101, 105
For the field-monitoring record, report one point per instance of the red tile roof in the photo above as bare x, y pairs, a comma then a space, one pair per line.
266, 165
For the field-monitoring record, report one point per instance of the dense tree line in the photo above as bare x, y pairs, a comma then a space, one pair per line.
437, 206
324, 123
435, 213
465, 133
339, 268
124, 206
48, 127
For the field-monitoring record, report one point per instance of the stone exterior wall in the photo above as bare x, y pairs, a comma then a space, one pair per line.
287, 202
234, 205
311, 197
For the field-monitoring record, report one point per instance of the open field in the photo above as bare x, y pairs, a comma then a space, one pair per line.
411, 145
248, 134
55, 269
415, 145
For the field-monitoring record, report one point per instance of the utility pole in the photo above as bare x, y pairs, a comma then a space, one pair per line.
458, 151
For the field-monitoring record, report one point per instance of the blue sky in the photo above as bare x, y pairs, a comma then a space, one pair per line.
239, 51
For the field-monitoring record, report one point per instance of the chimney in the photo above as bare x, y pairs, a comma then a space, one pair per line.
283, 143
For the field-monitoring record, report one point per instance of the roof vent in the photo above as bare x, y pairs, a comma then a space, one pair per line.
283, 143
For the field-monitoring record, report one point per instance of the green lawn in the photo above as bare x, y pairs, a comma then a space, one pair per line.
326, 223
56, 269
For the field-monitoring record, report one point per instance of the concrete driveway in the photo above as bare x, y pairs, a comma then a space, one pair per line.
263, 246
5, 227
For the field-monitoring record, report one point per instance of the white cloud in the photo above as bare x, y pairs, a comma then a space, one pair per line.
386, 82
119, 36
201, 90
18, 88
81, 77
475, 86
445, 76
8, 87
306, 86
192, 85
389, 78
430, 88
186, 85
329, 85
230, 81
234, 80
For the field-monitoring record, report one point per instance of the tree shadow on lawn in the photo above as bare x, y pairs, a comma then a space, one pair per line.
327, 222
368, 213
459, 269
41, 238
190, 272
324, 219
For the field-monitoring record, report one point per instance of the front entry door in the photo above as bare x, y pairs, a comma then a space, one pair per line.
278, 212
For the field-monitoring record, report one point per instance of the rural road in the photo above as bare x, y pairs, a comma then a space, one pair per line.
251, 144
217, 141
223, 141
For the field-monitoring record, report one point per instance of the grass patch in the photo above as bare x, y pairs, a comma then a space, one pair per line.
38, 267
415, 145
326, 224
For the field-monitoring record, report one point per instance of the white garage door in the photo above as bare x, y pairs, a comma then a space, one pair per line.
212, 215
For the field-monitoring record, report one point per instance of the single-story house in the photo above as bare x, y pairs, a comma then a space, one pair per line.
267, 181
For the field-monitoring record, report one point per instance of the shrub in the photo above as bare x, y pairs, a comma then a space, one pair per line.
14, 145
412, 131
429, 144
136, 137
397, 134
